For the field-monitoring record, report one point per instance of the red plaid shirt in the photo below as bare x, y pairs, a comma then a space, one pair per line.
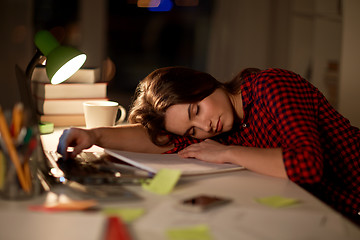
321, 150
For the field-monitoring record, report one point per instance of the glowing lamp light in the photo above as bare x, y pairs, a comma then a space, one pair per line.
61, 61
58, 75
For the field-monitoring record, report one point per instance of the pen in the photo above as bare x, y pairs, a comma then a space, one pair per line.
5, 133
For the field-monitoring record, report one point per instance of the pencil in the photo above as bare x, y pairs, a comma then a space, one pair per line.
2, 170
17, 119
5, 133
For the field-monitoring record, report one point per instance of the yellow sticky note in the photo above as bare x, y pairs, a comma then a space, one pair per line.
126, 214
163, 182
2, 170
277, 201
198, 232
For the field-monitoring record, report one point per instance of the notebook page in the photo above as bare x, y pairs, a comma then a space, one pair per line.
154, 162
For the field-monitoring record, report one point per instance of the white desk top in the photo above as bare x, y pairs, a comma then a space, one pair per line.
244, 218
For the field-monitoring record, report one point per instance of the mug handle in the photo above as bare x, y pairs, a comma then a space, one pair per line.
122, 115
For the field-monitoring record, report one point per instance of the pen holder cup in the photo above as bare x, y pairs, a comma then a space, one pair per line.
19, 166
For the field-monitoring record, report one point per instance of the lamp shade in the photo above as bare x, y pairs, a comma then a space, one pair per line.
61, 61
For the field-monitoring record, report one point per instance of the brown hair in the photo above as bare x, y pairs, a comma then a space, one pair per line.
168, 86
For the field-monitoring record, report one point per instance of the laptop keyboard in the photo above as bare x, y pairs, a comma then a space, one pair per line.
83, 156
93, 168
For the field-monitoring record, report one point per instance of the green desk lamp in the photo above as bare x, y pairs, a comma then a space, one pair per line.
61, 63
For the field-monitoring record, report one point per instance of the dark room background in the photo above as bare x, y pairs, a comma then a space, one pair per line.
138, 39
220, 37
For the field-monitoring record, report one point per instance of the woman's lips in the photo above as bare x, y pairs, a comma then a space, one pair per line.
219, 126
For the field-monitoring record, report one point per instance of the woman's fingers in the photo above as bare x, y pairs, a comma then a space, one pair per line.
77, 138
208, 150
63, 143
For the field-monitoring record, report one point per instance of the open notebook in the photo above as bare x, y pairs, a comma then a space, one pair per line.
154, 162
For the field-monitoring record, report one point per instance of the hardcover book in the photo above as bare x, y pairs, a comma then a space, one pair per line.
62, 106
69, 90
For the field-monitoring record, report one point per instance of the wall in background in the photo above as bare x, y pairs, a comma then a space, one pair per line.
350, 62
315, 43
239, 37
15, 46
140, 40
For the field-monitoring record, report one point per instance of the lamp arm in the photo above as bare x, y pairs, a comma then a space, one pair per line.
36, 59
32, 64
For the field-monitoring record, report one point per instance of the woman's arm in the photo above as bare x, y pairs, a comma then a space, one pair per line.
131, 137
268, 161
294, 105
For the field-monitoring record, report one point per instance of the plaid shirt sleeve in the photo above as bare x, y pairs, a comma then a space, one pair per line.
293, 103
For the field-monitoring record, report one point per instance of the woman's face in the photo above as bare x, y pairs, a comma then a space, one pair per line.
209, 117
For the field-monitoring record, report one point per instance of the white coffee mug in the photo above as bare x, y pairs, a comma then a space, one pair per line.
102, 113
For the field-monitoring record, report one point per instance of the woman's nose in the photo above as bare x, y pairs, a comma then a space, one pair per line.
204, 125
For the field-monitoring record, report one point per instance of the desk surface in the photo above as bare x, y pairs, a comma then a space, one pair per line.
243, 218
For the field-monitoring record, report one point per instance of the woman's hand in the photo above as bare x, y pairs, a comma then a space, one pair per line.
207, 150
75, 137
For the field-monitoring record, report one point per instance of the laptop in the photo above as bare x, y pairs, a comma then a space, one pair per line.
89, 173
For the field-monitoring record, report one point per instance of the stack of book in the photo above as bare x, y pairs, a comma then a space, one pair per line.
62, 104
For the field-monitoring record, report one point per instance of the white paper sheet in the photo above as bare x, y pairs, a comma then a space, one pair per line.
155, 162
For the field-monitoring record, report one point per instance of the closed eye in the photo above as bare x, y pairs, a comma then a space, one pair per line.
190, 132
193, 110
197, 109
